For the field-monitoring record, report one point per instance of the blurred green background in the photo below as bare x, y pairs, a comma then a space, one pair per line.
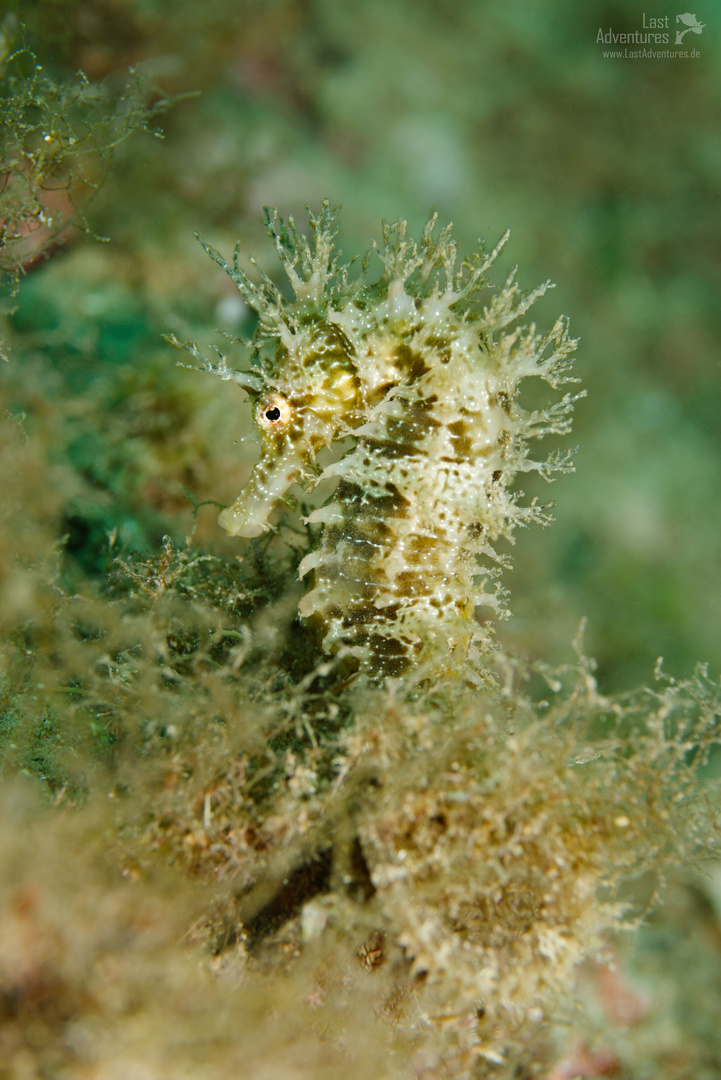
607, 170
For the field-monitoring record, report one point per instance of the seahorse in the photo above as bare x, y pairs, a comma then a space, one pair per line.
414, 373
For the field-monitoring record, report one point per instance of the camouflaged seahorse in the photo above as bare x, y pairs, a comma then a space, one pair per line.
422, 375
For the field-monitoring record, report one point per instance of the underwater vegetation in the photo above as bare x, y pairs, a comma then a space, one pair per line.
56, 145
426, 862
278, 799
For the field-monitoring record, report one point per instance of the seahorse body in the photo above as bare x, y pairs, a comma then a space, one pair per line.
424, 379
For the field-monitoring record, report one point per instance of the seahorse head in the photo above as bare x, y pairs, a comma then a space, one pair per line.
308, 398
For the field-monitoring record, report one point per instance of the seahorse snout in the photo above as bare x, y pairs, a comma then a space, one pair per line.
268, 483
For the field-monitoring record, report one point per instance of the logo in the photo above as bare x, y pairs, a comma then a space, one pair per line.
692, 26
654, 32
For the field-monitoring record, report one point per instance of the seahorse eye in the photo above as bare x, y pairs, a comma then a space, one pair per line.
273, 412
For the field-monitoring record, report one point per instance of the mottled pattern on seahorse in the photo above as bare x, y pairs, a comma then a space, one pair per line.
419, 367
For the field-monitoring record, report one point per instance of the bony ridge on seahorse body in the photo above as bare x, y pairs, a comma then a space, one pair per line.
423, 375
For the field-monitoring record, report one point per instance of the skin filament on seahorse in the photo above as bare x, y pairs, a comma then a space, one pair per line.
419, 368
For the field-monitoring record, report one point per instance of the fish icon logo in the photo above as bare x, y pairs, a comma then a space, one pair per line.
691, 23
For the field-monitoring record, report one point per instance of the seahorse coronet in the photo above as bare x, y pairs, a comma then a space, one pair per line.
420, 366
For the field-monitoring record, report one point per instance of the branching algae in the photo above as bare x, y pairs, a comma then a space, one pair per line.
420, 366
57, 139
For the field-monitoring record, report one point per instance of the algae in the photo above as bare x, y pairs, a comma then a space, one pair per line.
219, 858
